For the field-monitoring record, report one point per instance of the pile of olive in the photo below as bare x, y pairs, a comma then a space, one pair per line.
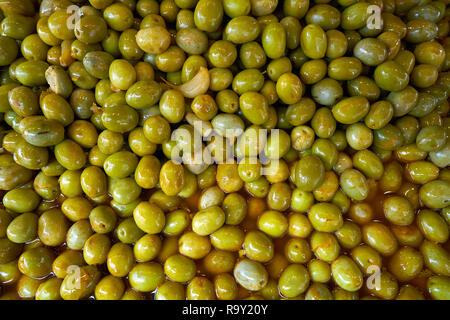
346, 100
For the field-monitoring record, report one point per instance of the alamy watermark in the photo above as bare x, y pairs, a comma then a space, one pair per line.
225, 146
73, 277
253, 146
75, 15
374, 280
374, 19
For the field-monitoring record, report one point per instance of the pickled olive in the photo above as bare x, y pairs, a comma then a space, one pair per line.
36, 262
52, 227
379, 237
120, 164
391, 76
90, 275
149, 217
431, 138
388, 138
313, 41
308, 173
406, 263
208, 220
325, 217
388, 287
432, 226
250, 274
23, 228
398, 210
31, 67
371, 51
70, 155
438, 287
21, 200
273, 223
347, 274
354, 184
193, 245
351, 110
294, 280
367, 162
327, 91
179, 268
171, 178
354, 16
435, 194
435, 257
242, 29
224, 149
344, 68
408, 292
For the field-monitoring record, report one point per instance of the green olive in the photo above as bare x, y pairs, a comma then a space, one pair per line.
178, 268
242, 29
21, 200
77, 234
250, 274
96, 249
23, 228
325, 217
146, 277
391, 76
432, 226
347, 274
434, 194
273, 39
36, 262
120, 260
406, 263
344, 68
309, 173
89, 276
380, 238
294, 280
438, 287
52, 227
208, 220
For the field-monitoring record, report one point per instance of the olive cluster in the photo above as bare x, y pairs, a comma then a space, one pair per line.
99, 98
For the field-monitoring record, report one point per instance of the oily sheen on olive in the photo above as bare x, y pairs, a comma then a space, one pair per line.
224, 149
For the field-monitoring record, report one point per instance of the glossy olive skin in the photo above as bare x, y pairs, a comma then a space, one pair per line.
371, 51
120, 260
313, 41
12, 49
434, 193
380, 238
351, 110
52, 227
349, 277
344, 68
97, 63
435, 258
309, 173
323, 144
354, 184
36, 262
251, 275
438, 287
41, 132
391, 76
89, 275
31, 73
242, 29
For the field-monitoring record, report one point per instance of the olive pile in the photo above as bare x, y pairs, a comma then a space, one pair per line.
345, 100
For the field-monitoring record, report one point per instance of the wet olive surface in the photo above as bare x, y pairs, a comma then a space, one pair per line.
338, 186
